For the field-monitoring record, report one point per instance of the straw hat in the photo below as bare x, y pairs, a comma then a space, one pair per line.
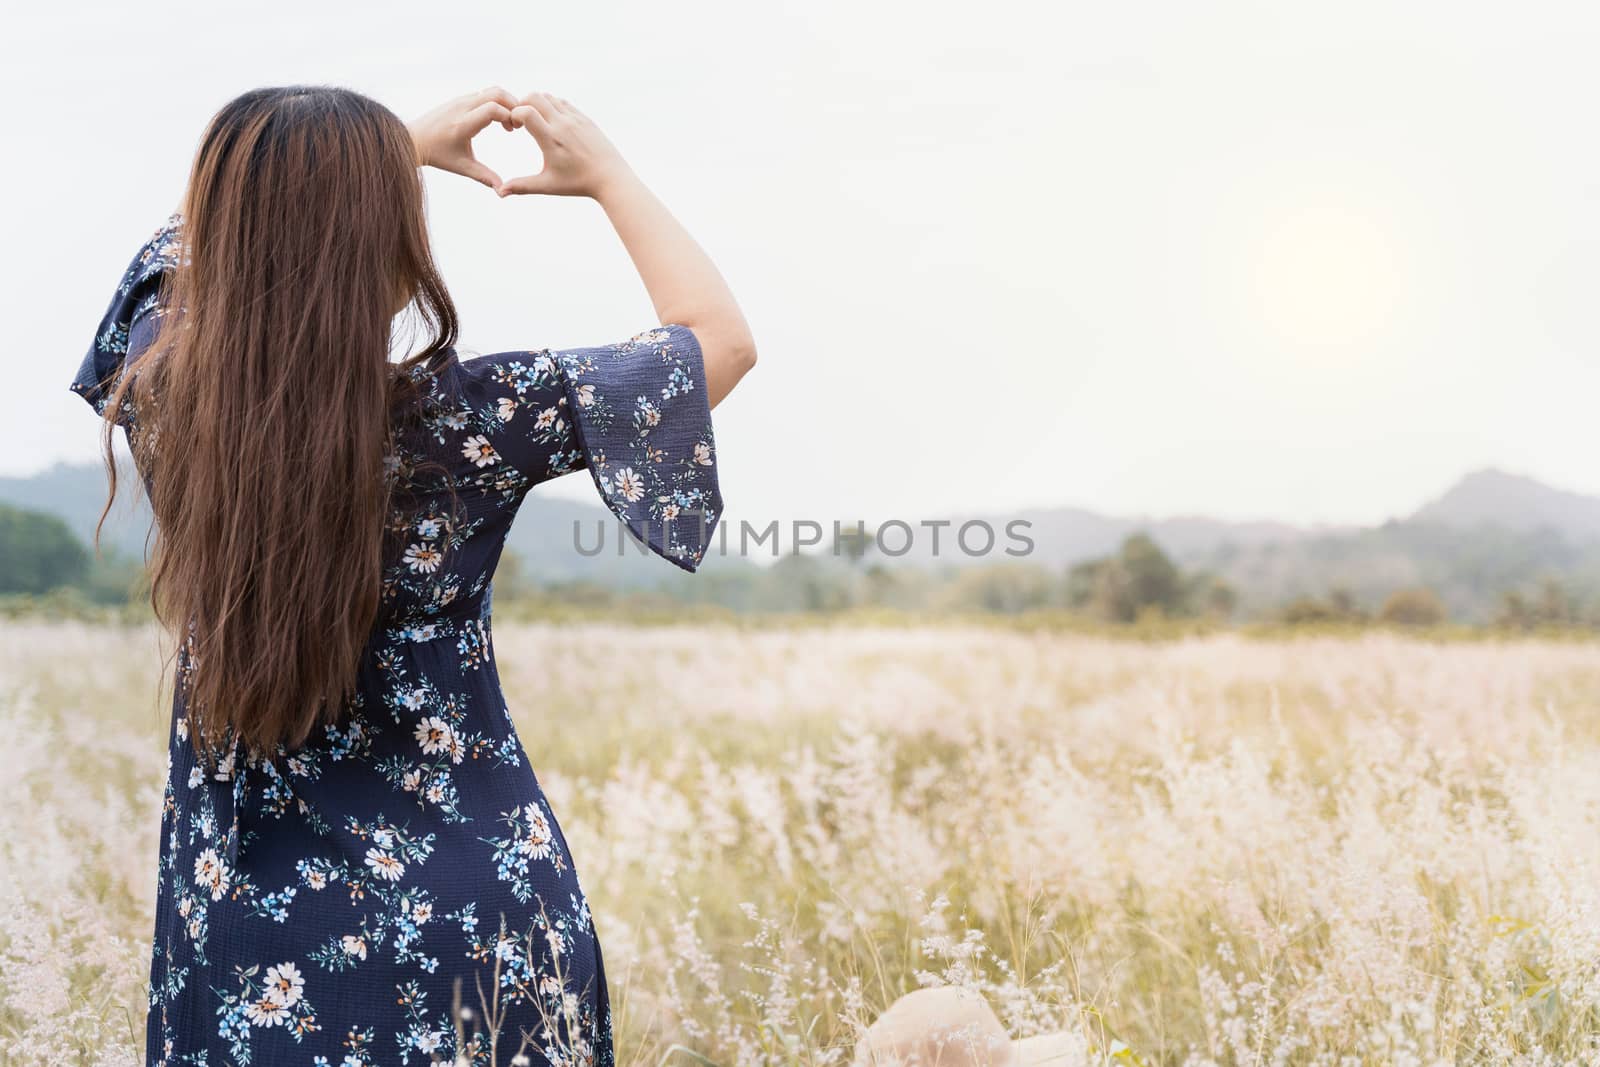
947, 1026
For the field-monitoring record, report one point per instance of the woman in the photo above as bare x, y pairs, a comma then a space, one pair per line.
352, 831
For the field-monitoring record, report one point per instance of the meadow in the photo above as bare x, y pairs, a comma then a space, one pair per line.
1218, 849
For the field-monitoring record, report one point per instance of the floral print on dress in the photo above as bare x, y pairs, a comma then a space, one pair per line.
319, 905
630, 398
262, 1002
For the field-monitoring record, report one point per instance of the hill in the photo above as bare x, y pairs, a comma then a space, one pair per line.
1496, 498
1489, 534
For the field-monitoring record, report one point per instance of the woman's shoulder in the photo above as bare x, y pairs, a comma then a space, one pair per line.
509, 369
128, 324
161, 252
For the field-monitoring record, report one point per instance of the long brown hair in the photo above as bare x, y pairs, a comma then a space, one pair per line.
264, 407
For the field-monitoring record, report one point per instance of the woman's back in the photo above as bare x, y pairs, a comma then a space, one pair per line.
407, 846
333, 871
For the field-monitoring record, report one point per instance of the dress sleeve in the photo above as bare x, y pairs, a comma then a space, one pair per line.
129, 323
635, 413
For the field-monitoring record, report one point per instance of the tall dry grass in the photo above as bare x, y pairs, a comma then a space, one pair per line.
1213, 851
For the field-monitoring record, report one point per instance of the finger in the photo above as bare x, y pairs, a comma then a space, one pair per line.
531, 119
563, 104
497, 94
544, 104
480, 116
525, 184
471, 168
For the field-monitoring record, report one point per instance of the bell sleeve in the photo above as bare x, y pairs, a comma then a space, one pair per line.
642, 423
129, 322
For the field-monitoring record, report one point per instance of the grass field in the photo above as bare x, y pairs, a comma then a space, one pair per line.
1217, 850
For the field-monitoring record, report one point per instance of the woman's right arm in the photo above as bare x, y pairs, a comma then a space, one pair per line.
683, 283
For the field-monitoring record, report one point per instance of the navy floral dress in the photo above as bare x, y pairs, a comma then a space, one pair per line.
319, 906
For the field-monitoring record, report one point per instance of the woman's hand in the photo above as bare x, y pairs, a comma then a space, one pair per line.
444, 135
578, 160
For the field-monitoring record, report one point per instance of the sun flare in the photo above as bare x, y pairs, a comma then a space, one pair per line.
1326, 276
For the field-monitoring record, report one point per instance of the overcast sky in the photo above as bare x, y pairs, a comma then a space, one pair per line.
1242, 259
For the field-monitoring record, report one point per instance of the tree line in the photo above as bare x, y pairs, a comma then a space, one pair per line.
41, 557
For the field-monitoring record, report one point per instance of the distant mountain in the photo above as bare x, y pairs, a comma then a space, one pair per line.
1469, 567
1064, 536
1496, 498
1490, 533
1486, 498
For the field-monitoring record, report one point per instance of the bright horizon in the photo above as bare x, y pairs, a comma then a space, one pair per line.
1246, 263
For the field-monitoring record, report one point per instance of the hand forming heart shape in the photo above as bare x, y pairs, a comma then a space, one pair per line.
578, 159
